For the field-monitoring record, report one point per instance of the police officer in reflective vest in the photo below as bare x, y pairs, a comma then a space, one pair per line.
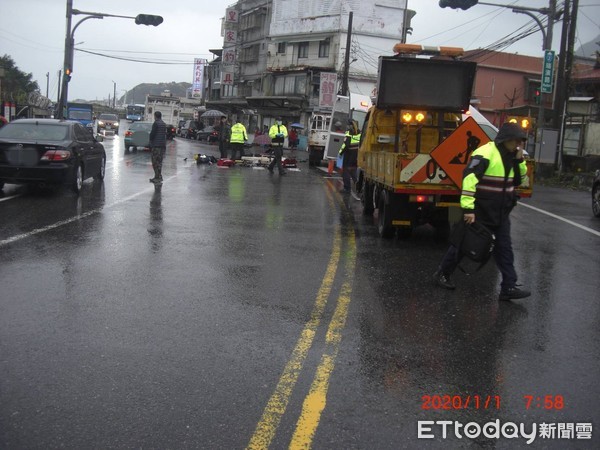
278, 132
488, 196
237, 139
349, 151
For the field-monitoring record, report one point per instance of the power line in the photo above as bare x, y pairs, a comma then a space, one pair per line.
145, 61
144, 52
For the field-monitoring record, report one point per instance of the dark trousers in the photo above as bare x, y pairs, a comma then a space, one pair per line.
157, 160
223, 149
237, 147
277, 153
503, 255
348, 176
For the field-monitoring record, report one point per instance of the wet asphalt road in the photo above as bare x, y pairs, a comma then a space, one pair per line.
232, 308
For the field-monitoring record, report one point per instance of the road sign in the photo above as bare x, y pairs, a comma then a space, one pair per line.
548, 72
452, 154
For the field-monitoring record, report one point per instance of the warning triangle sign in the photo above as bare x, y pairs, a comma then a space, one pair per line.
454, 152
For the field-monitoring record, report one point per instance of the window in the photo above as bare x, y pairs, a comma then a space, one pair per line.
249, 54
281, 47
324, 49
290, 84
303, 50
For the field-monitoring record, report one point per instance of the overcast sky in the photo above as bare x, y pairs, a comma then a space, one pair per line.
32, 32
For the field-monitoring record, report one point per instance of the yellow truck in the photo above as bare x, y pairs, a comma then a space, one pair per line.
415, 142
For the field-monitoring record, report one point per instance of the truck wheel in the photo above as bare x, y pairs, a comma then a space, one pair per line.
384, 222
312, 158
366, 198
315, 156
360, 182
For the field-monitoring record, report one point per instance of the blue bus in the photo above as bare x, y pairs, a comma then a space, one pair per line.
135, 112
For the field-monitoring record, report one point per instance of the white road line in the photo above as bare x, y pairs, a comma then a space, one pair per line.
8, 198
18, 237
570, 222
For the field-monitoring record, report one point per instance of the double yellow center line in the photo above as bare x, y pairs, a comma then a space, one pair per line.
314, 402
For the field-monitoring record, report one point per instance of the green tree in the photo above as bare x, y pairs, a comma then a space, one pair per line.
16, 85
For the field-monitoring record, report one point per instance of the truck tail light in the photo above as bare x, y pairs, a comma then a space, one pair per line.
421, 198
128, 133
56, 155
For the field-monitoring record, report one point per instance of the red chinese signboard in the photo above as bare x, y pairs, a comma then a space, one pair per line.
327, 89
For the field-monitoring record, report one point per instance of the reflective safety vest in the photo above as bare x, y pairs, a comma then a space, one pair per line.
488, 189
276, 130
238, 134
354, 142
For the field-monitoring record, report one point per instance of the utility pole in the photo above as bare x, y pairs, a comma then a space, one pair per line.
58, 92
560, 71
570, 48
62, 103
346, 74
547, 46
47, 84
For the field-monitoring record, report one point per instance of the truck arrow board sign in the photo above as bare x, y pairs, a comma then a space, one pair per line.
452, 154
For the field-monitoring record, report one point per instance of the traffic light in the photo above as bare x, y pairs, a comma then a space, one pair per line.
148, 19
537, 96
68, 73
456, 4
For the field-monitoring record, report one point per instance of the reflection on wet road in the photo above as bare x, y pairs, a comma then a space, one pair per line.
231, 308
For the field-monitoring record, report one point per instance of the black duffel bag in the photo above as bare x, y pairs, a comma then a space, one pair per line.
474, 241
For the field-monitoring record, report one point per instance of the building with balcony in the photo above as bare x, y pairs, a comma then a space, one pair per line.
275, 52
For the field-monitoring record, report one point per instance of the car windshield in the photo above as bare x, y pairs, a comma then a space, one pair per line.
108, 117
80, 115
35, 131
146, 126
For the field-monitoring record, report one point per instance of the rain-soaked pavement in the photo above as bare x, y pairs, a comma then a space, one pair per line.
232, 308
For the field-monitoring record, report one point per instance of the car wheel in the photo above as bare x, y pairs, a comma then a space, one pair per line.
78, 181
101, 173
596, 200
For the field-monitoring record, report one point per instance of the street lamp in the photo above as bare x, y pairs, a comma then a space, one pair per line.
550, 12
140, 19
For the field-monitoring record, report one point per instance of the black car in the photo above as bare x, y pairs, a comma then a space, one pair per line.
208, 134
190, 129
49, 152
596, 194
180, 125
171, 131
